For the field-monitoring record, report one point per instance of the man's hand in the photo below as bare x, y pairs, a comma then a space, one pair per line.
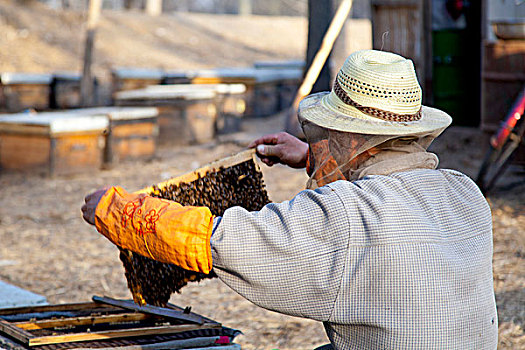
281, 148
90, 205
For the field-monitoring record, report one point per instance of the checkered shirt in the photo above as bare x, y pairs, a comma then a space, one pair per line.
402, 261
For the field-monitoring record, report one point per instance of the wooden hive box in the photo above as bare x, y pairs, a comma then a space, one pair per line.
229, 100
246, 76
24, 90
231, 105
65, 90
275, 90
124, 79
132, 132
51, 143
267, 89
178, 77
291, 75
265, 93
186, 115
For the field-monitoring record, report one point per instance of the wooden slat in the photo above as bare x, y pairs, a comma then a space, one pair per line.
15, 332
133, 129
149, 309
70, 338
81, 321
24, 129
194, 175
57, 307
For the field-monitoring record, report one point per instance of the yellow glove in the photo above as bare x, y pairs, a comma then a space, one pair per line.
157, 228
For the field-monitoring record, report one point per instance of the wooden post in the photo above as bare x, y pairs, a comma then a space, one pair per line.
86, 84
154, 7
320, 14
292, 123
426, 81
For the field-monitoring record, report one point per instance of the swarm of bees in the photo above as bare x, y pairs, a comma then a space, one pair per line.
152, 282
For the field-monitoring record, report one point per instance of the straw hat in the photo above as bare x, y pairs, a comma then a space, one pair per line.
376, 93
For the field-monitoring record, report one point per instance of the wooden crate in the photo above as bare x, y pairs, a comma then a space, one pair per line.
65, 90
51, 143
23, 91
188, 122
284, 83
186, 115
245, 76
132, 132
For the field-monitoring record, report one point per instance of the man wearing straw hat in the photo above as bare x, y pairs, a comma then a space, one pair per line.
387, 251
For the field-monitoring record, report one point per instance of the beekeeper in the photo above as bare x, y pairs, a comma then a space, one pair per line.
385, 249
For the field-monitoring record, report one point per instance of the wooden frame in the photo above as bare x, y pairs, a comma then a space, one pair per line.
33, 319
194, 175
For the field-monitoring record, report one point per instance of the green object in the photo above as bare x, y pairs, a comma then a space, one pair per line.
450, 82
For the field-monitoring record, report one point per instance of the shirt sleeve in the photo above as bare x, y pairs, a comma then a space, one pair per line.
288, 257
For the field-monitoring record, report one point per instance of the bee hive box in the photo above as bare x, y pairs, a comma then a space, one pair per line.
186, 115
233, 181
51, 143
25, 90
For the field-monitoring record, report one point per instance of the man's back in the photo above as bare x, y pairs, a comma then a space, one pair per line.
387, 262
419, 267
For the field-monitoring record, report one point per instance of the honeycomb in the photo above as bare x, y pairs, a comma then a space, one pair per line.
152, 282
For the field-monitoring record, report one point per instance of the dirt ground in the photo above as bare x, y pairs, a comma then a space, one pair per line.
35, 38
47, 248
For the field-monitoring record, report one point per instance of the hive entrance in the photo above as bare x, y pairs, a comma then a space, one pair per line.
233, 181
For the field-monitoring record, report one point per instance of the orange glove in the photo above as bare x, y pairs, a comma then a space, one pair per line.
163, 230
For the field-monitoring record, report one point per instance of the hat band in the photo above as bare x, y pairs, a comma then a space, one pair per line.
375, 112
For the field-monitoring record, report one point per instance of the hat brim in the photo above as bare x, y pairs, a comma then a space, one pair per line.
315, 109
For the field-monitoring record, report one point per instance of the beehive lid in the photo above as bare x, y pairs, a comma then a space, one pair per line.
12, 296
73, 76
228, 73
290, 64
51, 123
117, 113
180, 73
25, 78
278, 75
137, 73
218, 88
165, 94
